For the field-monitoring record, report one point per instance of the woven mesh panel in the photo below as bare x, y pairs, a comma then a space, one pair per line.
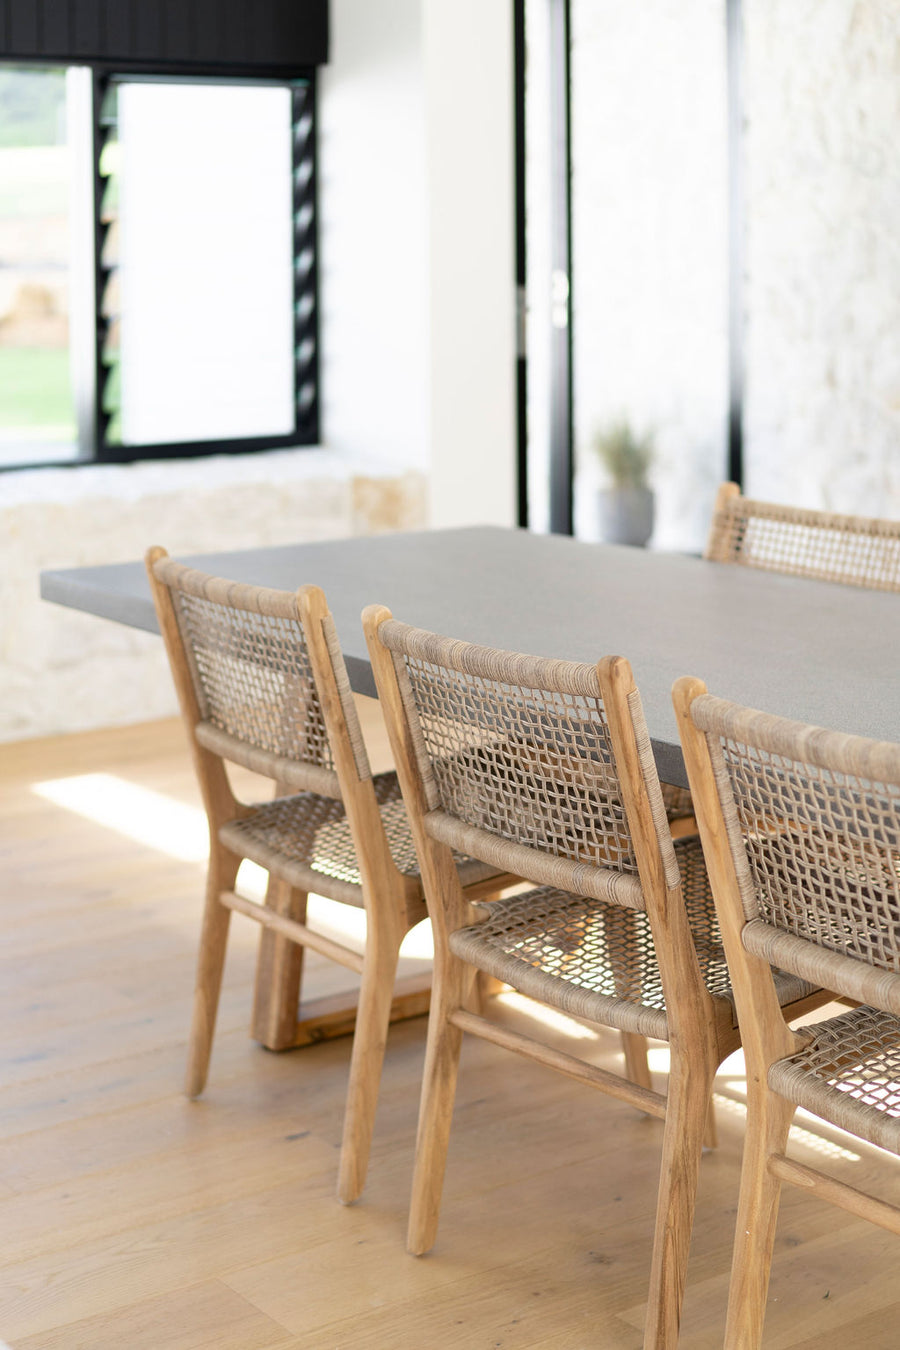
599, 947
850, 1074
701, 912
305, 828
824, 852
780, 540
532, 766
313, 830
590, 944
255, 680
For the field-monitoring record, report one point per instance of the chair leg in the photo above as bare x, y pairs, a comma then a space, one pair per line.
450, 990
690, 1088
711, 1137
279, 968
373, 1018
768, 1123
223, 869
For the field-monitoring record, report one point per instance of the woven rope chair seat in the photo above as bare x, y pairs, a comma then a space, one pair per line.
306, 839
849, 1074
595, 960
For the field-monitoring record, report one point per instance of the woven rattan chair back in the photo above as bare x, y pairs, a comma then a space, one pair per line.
257, 701
853, 550
516, 760
813, 821
801, 831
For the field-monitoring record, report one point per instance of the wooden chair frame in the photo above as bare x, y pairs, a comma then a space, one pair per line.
701, 1028
822, 545
393, 902
767, 1041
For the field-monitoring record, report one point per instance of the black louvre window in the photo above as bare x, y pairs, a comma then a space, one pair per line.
158, 231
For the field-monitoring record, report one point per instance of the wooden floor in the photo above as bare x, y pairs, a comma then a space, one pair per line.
133, 1219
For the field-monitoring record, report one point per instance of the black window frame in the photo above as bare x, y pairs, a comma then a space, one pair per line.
302, 83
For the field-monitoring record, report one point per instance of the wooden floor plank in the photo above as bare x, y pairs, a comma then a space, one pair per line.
131, 1219
204, 1317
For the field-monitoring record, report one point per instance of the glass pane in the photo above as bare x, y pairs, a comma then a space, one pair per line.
199, 192
37, 413
649, 255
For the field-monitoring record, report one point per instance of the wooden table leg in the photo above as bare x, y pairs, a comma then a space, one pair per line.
279, 968
278, 1023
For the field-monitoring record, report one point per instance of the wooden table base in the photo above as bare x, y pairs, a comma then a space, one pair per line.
324, 1019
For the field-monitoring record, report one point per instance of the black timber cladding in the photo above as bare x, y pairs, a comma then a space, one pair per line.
167, 34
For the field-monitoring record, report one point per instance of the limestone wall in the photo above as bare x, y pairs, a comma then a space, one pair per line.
822, 298
821, 287
65, 671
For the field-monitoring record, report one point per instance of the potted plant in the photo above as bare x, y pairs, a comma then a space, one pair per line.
625, 507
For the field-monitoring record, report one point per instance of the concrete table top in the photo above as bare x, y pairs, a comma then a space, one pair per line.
819, 652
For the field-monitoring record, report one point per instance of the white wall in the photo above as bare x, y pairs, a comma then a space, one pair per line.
468, 63
372, 233
417, 232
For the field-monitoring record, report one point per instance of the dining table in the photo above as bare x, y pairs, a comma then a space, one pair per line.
820, 652
813, 650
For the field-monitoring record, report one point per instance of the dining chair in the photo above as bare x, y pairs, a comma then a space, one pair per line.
801, 830
854, 550
544, 768
262, 684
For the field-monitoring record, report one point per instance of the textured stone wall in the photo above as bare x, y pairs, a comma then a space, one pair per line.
821, 290
822, 298
65, 671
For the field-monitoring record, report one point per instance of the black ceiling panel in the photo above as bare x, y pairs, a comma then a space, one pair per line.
168, 34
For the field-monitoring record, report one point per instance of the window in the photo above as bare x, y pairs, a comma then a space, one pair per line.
37, 407
157, 265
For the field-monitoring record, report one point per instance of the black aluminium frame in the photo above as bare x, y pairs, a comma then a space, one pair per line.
521, 268
561, 337
305, 282
305, 297
734, 38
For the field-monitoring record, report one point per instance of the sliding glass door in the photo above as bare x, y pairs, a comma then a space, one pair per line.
627, 247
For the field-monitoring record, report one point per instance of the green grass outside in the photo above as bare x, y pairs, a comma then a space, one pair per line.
35, 391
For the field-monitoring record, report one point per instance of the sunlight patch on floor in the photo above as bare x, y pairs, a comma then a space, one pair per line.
138, 813
179, 830
826, 1148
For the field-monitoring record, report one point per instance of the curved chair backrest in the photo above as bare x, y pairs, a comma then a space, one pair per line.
248, 685
812, 820
518, 762
854, 550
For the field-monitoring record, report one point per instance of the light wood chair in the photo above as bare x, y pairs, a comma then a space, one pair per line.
262, 684
801, 829
853, 550
544, 768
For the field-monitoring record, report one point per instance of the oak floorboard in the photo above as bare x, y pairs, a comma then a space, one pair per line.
131, 1219
204, 1317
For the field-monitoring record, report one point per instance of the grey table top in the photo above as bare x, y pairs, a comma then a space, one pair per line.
819, 652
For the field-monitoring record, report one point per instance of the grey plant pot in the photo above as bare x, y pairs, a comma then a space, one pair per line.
625, 515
